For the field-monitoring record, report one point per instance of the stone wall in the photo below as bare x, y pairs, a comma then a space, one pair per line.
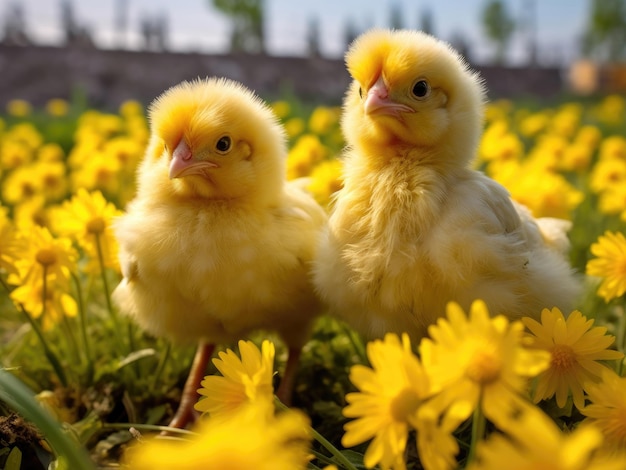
108, 77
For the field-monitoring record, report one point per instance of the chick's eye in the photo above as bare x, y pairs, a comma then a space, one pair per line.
421, 89
360, 92
223, 144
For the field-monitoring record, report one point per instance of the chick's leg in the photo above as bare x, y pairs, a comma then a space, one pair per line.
189, 397
285, 389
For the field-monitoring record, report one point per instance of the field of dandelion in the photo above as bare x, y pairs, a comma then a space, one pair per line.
95, 385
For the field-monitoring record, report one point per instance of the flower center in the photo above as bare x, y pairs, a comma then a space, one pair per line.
46, 257
405, 404
484, 367
563, 357
96, 225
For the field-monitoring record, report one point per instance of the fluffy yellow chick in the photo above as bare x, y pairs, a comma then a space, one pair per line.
216, 244
414, 226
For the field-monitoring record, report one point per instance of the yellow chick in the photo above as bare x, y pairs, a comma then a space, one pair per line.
216, 244
414, 226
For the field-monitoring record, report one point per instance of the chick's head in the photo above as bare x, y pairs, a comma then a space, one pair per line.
411, 89
218, 141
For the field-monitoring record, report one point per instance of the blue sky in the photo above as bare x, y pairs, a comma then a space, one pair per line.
194, 25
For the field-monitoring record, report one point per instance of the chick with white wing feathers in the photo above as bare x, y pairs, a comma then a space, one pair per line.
414, 226
216, 244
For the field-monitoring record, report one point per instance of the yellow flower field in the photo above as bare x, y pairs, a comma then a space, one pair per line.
480, 392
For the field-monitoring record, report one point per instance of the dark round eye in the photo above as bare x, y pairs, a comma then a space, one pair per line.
421, 89
223, 145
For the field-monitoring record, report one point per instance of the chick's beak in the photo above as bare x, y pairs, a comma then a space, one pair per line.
378, 101
184, 164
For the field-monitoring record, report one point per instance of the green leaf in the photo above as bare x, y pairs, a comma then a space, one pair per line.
22, 399
14, 460
354, 458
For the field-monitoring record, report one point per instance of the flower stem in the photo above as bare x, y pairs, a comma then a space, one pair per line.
478, 431
148, 427
107, 294
621, 338
162, 362
22, 399
83, 328
339, 457
52, 358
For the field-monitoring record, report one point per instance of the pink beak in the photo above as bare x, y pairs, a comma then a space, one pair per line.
378, 101
183, 163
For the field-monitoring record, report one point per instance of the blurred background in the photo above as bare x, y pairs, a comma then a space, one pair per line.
114, 50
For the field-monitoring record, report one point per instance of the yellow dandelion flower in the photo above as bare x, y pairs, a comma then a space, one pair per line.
14, 154
98, 172
32, 212
535, 123
575, 349
613, 200
323, 119
609, 264
294, 127
7, 242
566, 120
21, 184
19, 108
108, 125
281, 108
131, 108
58, 303
87, 218
478, 361
25, 133
41, 253
607, 173
304, 155
251, 439
325, 180
57, 107
137, 129
50, 152
611, 110
126, 151
613, 148
498, 110
607, 410
535, 442
499, 144
387, 404
589, 137
544, 192
53, 182
547, 154
576, 158
243, 381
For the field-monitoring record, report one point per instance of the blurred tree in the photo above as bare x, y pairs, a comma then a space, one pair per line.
426, 21
529, 26
460, 43
351, 32
75, 33
313, 38
247, 18
605, 37
121, 22
154, 32
14, 33
396, 17
498, 25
